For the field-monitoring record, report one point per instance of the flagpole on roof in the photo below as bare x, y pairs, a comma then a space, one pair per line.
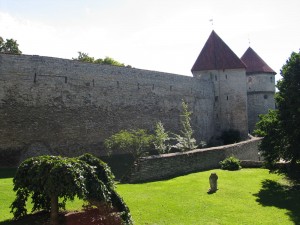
249, 40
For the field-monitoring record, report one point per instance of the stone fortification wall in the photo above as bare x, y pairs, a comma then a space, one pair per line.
230, 100
262, 82
260, 91
259, 103
174, 164
60, 106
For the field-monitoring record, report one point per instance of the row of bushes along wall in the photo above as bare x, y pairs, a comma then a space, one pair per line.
170, 165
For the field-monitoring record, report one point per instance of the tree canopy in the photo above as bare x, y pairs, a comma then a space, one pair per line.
281, 127
10, 46
288, 102
84, 57
50, 178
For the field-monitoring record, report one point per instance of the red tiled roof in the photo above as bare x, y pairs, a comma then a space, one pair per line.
254, 63
216, 55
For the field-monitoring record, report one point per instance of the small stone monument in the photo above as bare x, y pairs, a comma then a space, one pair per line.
213, 182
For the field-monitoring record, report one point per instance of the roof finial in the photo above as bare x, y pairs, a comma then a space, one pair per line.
212, 23
249, 40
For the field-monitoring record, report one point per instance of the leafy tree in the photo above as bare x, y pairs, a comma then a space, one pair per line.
111, 61
84, 57
281, 128
161, 139
271, 146
136, 142
10, 46
50, 178
288, 102
185, 140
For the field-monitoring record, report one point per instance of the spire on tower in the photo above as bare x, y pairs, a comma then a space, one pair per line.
216, 55
254, 63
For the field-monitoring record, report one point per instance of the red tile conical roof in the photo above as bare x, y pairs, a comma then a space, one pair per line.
216, 55
254, 63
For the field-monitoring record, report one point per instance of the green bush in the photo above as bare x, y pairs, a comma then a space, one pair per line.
185, 140
161, 139
230, 163
135, 142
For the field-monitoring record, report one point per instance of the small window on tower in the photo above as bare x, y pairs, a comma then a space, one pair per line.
271, 79
226, 76
265, 96
216, 98
216, 78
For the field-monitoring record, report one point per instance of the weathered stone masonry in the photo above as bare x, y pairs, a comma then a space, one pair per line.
70, 107
65, 107
174, 164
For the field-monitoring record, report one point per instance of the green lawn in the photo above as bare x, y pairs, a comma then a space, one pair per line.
248, 196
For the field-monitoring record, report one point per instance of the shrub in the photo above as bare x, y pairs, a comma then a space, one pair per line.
230, 163
185, 141
230, 136
161, 139
203, 144
135, 142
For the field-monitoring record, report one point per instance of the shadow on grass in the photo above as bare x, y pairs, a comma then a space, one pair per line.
87, 217
30, 219
281, 196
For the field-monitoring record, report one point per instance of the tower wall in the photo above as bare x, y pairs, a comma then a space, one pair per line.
230, 99
260, 92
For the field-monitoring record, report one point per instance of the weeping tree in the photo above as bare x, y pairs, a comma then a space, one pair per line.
48, 179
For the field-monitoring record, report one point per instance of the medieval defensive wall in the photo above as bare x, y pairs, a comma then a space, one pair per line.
68, 107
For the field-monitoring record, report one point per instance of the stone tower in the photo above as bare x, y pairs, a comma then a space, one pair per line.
218, 64
260, 87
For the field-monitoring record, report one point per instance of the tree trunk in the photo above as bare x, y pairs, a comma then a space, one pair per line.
54, 210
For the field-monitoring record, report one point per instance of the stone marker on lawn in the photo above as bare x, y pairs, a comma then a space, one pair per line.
213, 178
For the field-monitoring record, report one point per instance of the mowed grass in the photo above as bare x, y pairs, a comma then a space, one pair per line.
248, 196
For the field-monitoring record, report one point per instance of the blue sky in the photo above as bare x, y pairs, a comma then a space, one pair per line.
162, 35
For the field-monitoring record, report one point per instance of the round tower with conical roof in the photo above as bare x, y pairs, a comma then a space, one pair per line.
260, 87
218, 64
